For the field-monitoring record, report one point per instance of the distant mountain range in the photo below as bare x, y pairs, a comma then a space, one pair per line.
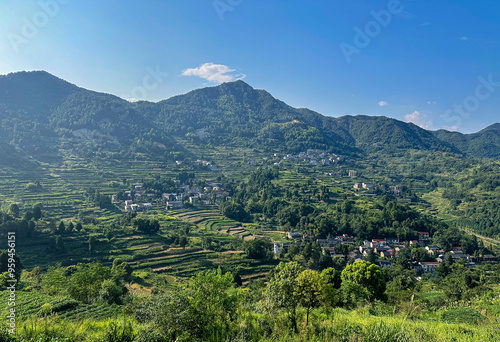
43, 116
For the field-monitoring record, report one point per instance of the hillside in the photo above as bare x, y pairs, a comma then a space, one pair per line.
484, 143
47, 117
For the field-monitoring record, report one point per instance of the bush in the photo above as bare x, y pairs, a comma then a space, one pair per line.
462, 315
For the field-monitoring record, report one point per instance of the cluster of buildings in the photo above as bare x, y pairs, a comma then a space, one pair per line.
194, 195
328, 243
367, 186
314, 157
211, 166
131, 206
138, 196
384, 249
213, 193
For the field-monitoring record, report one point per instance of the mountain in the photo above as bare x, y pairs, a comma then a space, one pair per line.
485, 143
45, 117
235, 113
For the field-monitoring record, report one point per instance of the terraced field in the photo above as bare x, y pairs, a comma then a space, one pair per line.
40, 305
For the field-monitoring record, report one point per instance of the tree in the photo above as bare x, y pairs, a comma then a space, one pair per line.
325, 261
234, 211
331, 277
309, 290
368, 276
6, 261
71, 226
37, 212
147, 226
79, 226
280, 291
89, 282
339, 263
183, 241
331, 284
13, 210
293, 250
62, 228
214, 307
92, 244
258, 249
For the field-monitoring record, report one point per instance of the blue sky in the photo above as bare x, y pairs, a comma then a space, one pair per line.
435, 63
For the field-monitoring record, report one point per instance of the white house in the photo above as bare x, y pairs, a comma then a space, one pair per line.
174, 205
429, 267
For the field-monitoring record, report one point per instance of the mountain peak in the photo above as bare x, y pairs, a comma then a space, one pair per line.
238, 84
494, 127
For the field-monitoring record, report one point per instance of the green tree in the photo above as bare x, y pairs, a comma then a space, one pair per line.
293, 250
61, 229
7, 260
147, 226
214, 308
13, 210
331, 284
309, 290
92, 243
331, 277
183, 241
368, 276
280, 291
258, 249
37, 212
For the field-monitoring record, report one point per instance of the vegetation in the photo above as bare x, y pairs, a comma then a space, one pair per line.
249, 256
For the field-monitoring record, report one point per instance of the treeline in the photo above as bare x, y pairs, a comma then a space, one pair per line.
23, 224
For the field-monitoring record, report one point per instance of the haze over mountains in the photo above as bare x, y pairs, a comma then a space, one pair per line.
42, 116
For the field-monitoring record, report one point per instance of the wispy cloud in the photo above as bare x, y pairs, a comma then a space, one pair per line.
451, 128
431, 102
383, 104
217, 73
464, 38
419, 119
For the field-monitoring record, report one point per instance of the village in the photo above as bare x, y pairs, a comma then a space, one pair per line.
185, 196
383, 250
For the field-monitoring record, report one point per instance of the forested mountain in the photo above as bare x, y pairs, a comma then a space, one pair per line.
484, 143
41, 115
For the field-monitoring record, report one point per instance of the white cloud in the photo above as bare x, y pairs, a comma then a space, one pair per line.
217, 73
383, 103
451, 128
132, 100
464, 38
419, 119
431, 102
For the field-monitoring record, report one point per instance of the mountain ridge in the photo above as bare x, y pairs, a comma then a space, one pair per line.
233, 113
